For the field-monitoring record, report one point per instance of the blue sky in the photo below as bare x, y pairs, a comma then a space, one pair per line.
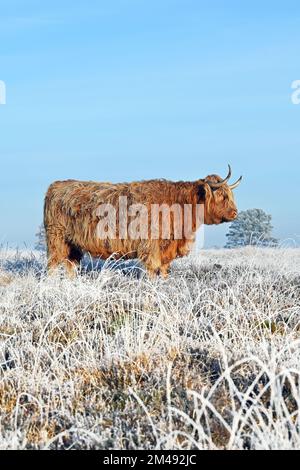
129, 90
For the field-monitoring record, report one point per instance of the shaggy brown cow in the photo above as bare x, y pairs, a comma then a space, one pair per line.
72, 214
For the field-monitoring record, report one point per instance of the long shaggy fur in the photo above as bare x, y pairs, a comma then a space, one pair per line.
70, 218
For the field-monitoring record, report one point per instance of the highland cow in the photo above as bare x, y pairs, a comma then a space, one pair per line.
87, 217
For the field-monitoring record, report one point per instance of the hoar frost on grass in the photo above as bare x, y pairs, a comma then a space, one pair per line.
112, 360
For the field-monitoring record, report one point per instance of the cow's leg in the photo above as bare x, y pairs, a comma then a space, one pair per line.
152, 261
72, 261
167, 256
58, 250
185, 247
164, 270
62, 252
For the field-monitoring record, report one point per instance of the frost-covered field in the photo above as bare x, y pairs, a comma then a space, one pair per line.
208, 359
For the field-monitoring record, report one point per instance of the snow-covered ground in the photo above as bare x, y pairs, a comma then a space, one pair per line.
209, 358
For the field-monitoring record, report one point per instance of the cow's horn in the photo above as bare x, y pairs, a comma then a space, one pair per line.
235, 185
215, 185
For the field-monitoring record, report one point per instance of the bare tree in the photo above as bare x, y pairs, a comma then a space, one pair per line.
40, 243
